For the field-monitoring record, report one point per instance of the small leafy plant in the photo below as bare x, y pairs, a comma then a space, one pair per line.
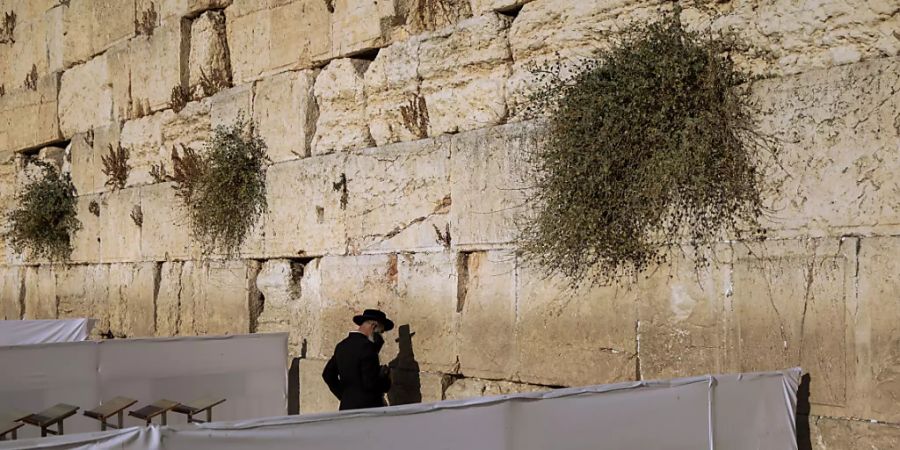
115, 166
8, 29
45, 218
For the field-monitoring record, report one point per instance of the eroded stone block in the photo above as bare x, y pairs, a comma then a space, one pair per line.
28, 118
285, 112
155, 67
279, 282
482, 6
208, 61
86, 97
214, 298
92, 26
12, 293
165, 231
168, 303
40, 293
399, 197
131, 302
82, 291
143, 138
340, 95
120, 236
314, 394
827, 433
473, 387
395, 109
85, 158
86, 242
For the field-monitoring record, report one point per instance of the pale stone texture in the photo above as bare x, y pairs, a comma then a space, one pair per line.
29, 118
92, 26
132, 299
488, 183
279, 282
314, 394
681, 311
171, 10
394, 107
208, 58
270, 36
143, 138
37, 43
86, 242
120, 236
838, 434
399, 197
168, 301
40, 293
86, 97
848, 116
85, 158
791, 306
285, 112
464, 70
340, 94
482, 6
12, 293
473, 387
487, 302
306, 200
155, 66
165, 232
213, 298
359, 26
82, 291
427, 15
573, 336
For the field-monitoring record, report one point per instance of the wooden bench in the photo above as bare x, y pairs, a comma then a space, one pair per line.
158, 408
10, 422
114, 407
51, 416
198, 406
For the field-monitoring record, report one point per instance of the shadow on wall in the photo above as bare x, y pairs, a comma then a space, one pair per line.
406, 384
803, 438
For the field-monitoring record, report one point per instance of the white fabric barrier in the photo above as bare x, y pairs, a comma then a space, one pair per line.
249, 371
27, 332
724, 412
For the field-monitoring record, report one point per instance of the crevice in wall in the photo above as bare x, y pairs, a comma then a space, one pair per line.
462, 279
157, 281
368, 55
255, 298
512, 11
637, 351
21, 298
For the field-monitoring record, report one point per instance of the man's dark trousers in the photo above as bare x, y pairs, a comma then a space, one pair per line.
354, 374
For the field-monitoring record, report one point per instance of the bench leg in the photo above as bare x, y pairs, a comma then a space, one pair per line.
103, 425
190, 418
209, 415
121, 417
43, 431
59, 428
163, 418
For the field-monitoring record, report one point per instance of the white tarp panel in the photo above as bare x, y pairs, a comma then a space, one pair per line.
249, 371
26, 332
725, 412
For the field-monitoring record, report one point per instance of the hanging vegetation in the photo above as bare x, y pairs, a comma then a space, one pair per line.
649, 146
45, 218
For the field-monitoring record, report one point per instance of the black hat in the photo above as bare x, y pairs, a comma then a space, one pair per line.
376, 315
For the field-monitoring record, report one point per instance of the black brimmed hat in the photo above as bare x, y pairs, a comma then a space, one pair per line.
376, 315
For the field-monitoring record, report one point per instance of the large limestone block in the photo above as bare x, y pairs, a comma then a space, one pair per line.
419, 16
214, 298
878, 365
360, 26
681, 309
85, 157
92, 26
36, 46
172, 10
86, 97
12, 293
487, 303
120, 236
285, 113
314, 394
189, 128
574, 336
398, 197
827, 434
306, 199
792, 304
488, 182
40, 293
165, 232
86, 242
837, 134
394, 107
155, 66
464, 70
464, 388
132, 299
28, 118
279, 283
340, 95
143, 138
267, 37
208, 60
168, 301
82, 291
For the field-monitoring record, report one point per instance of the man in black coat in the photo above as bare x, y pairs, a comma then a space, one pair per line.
354, 374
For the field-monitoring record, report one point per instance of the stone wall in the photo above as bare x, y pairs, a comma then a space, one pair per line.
396, 141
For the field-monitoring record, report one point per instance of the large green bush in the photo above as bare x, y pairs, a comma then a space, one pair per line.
648, 146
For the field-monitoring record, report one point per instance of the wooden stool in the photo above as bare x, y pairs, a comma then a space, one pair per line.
51, 416
10, 422
159, 407
197, 406
114, 407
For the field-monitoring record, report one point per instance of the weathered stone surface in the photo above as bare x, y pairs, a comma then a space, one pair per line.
8, 188
12, 293
85, 158
394, 107
208, 61
266, 37
306, 200
463, 388
86, 97
40, 293
132, 299
285, 112
170, 10
427, 15
487, 302
835, 434
37, 43
398, 197
340, 94
214, 298
29, 118
155, 66
878, 361
120, 236
143, 138
464, 71
791, 303
314, 394
359, 26
482, 6
574, 337
488, 185
168, 301
165, 231
279, 282
86, 242
92, 26
837, 135
82, 291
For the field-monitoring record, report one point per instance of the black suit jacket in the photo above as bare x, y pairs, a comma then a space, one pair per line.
354, 375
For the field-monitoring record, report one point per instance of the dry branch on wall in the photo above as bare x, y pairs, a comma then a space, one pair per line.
115, 166
31, 79
8, 30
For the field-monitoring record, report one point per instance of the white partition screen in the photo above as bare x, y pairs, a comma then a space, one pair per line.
27, 332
